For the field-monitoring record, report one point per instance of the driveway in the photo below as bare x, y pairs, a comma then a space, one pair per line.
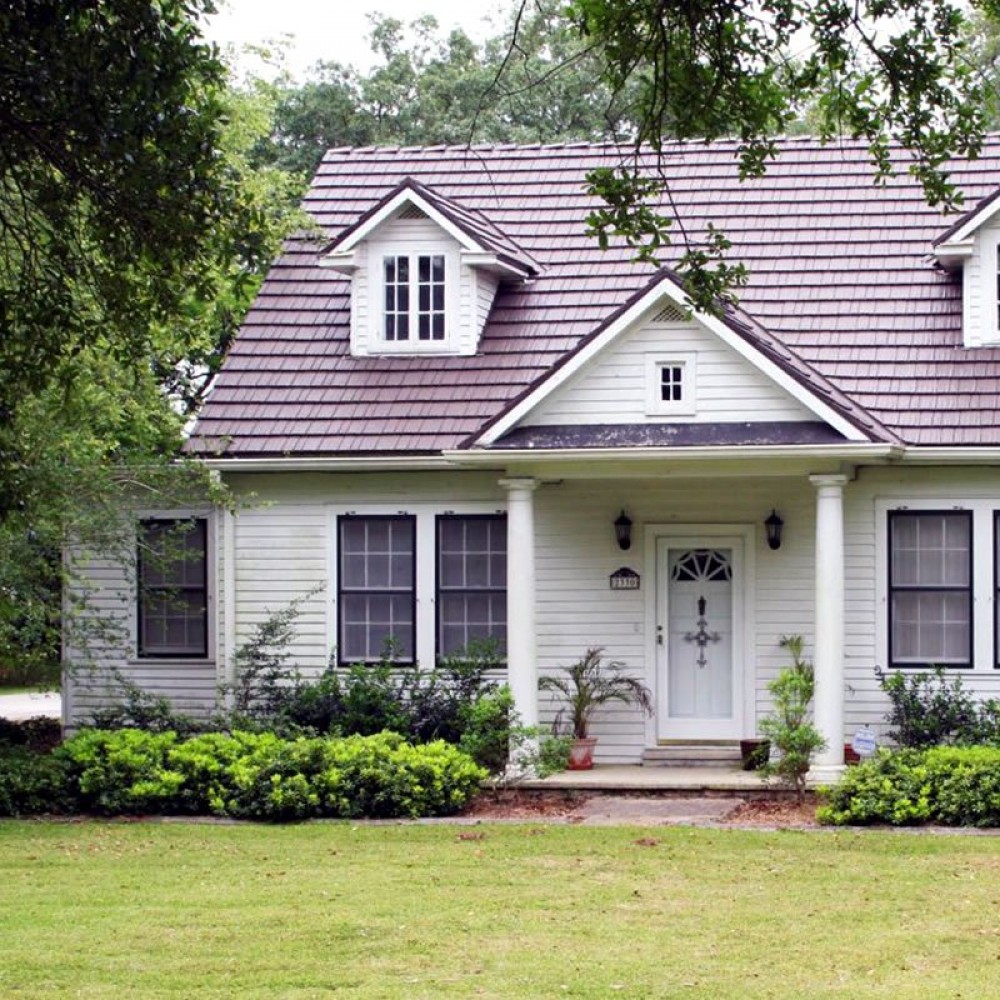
27, 706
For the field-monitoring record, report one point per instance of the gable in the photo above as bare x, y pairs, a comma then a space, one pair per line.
614, 388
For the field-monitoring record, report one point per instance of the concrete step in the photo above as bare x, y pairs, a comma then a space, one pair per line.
692, 755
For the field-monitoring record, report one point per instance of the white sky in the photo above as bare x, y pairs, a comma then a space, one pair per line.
336, 30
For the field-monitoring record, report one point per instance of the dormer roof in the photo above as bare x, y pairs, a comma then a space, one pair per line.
473, 230
956, 243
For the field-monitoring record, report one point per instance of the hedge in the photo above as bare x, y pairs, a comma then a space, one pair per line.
247, 775
955, 786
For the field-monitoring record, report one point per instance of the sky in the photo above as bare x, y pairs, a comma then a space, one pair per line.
335, 30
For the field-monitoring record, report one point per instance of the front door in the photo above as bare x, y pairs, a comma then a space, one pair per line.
696, 639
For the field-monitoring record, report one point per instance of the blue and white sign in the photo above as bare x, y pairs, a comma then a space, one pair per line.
865, 744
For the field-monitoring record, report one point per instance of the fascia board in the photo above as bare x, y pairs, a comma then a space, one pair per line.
968, 230
654, 297
408, 197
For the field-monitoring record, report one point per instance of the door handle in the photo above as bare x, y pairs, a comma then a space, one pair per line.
659, 635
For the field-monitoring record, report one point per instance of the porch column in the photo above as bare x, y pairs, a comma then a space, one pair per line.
522, 671
828, 657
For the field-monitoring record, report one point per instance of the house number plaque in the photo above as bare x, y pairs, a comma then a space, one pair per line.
624, 579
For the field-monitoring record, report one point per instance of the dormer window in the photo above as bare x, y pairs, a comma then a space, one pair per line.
670, 385
414, 297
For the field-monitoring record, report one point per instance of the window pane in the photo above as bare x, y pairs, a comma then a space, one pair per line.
930, 550
472, 581
172, 588
930, 628
376, 596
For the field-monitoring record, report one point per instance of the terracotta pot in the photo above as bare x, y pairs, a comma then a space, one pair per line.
581, 754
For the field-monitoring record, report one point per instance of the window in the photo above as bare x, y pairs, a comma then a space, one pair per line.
670, 385
414, 298
376, 588
930, 588
173, 587
471, 580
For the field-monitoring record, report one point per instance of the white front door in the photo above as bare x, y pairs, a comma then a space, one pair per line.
699, 670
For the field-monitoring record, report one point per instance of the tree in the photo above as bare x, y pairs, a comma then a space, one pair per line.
893, 72
535, 84
134, 231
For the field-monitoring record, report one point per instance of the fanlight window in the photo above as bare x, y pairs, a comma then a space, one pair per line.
701, 565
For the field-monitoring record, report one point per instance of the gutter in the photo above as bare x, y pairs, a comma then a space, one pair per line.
361, 463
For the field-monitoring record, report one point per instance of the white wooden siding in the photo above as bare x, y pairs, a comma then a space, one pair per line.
612, 388
284, 552
980, 322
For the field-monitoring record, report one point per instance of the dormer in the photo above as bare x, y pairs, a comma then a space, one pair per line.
424, 273
972, 246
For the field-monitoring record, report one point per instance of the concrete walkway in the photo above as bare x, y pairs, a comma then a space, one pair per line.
18, 707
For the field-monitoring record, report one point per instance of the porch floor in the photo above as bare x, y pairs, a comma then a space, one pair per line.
636, 778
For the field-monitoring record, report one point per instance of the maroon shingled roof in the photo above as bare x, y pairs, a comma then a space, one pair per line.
842, 282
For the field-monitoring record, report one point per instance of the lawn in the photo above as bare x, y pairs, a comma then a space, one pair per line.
90, 909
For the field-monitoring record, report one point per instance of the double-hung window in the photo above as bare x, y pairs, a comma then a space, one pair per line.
414, 303
471, 581
930, 588
376, 585
173, 588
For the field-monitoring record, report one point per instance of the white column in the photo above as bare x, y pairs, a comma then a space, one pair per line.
522, 671
828, 657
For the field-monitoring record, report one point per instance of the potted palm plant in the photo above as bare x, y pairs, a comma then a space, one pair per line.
587, 685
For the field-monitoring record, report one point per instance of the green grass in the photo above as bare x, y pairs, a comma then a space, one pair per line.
194, 910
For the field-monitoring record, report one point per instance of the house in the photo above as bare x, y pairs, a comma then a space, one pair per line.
461, 417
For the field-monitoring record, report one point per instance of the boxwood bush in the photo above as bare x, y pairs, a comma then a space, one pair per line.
255, 775
956, 786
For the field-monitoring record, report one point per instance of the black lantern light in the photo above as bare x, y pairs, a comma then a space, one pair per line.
773, 525
623, 531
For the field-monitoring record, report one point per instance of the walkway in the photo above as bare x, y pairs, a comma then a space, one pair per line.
18, 707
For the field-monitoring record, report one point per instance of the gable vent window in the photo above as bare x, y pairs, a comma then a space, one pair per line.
670, 385
415, 297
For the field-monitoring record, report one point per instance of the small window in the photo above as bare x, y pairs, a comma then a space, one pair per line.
471, 581
670, 386
414, 298
376, 588
930, 589
173, 588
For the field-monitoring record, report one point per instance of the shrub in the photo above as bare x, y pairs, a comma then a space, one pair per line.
121, 771
262, 776
788, 726
957, 786
136, 708
37, 734
32, 783
928, 709
486, 729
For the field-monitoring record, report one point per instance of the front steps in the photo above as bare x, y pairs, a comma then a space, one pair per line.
722, 755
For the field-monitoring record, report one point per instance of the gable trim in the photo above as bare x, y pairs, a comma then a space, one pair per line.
405, 194
966, 225
664, 288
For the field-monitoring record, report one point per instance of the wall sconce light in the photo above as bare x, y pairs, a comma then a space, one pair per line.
623, 531
773, 525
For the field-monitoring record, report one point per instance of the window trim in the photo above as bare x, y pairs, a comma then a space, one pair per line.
439, 519
969, 589
140, 652
378, 253
995, 560
341, 519
687, 405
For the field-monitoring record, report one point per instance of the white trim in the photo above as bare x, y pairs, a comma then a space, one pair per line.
969, 227
402, 198
508, 456
742, 538
424, 513
983, 596
208, 515
362, 463
376, 343
228, 650
653, 299
654, 363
